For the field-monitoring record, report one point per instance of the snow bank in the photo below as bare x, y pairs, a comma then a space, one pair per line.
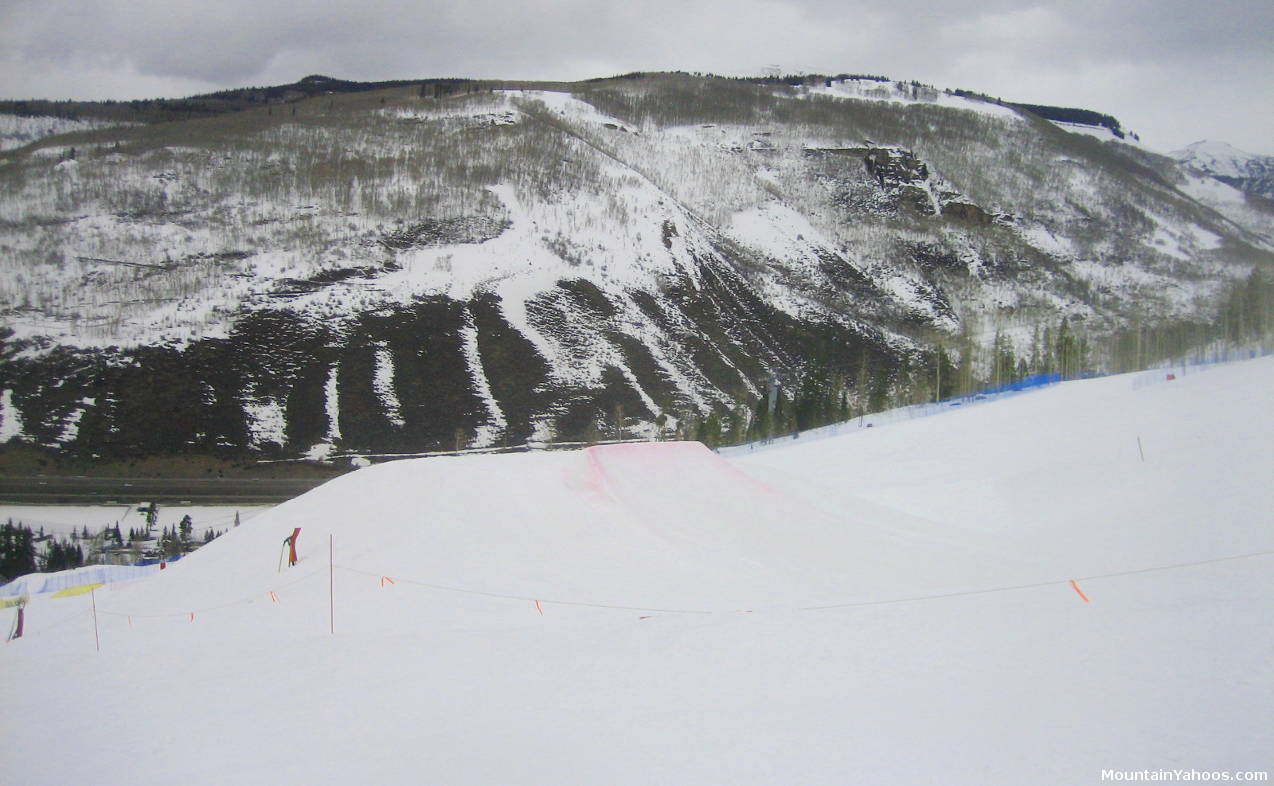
36, 583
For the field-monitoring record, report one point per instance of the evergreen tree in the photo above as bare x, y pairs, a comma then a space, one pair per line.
944, 375
812, 399
617, 421
1070, 350
965, 381
63, 555
760, 426
1003, 361
709, 430
17, 551
782, 421
878, 392
169, 544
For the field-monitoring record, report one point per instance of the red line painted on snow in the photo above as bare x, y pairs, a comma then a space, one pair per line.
1080, 591
274, 597
384, 579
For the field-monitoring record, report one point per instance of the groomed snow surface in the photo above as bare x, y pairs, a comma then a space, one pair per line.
889, 606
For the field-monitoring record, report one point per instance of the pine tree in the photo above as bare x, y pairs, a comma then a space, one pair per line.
1003, 362
17, 551
760, 426
965, 381
617, 421
878, 394
944, 375
780, 417
709, 430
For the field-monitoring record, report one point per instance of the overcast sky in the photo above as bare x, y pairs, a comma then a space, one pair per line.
1174, 71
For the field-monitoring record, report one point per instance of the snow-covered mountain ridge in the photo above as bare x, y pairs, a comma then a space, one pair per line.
406, 269
1245, 171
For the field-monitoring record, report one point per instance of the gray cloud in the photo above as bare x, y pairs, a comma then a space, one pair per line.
1175, 70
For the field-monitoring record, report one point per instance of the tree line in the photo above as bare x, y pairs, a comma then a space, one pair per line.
19, 555
954, 366
21, 551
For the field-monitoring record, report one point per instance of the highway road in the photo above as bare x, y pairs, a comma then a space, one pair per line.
41, 489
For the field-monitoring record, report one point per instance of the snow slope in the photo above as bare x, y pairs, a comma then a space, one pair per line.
1216, 158
887, 606
1251, 173
661, 244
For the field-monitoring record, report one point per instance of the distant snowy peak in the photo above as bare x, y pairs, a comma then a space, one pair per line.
1217, 158
1251, 173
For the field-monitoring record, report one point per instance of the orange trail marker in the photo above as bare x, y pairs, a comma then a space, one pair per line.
192, 616
1080, 591
537, 608
274, 597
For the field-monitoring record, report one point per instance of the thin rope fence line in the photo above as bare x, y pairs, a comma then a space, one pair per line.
615, 607
1177, 565
1035, 585
851, 604
250, 599
40, 630
527, 598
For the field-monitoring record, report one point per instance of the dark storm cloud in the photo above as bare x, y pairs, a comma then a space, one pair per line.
1164, 65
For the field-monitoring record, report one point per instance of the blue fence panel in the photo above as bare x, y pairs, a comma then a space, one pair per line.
1035, 381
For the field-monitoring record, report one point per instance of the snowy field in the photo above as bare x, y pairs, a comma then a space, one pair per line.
1032, 590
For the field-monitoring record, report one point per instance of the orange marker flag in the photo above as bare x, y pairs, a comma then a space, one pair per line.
537, 608
1080, 591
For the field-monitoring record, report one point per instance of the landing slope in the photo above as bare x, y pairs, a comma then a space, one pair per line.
891, 606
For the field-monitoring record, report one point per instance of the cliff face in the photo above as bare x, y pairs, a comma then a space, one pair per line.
400, 270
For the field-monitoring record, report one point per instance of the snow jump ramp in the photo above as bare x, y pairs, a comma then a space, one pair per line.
666, 524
